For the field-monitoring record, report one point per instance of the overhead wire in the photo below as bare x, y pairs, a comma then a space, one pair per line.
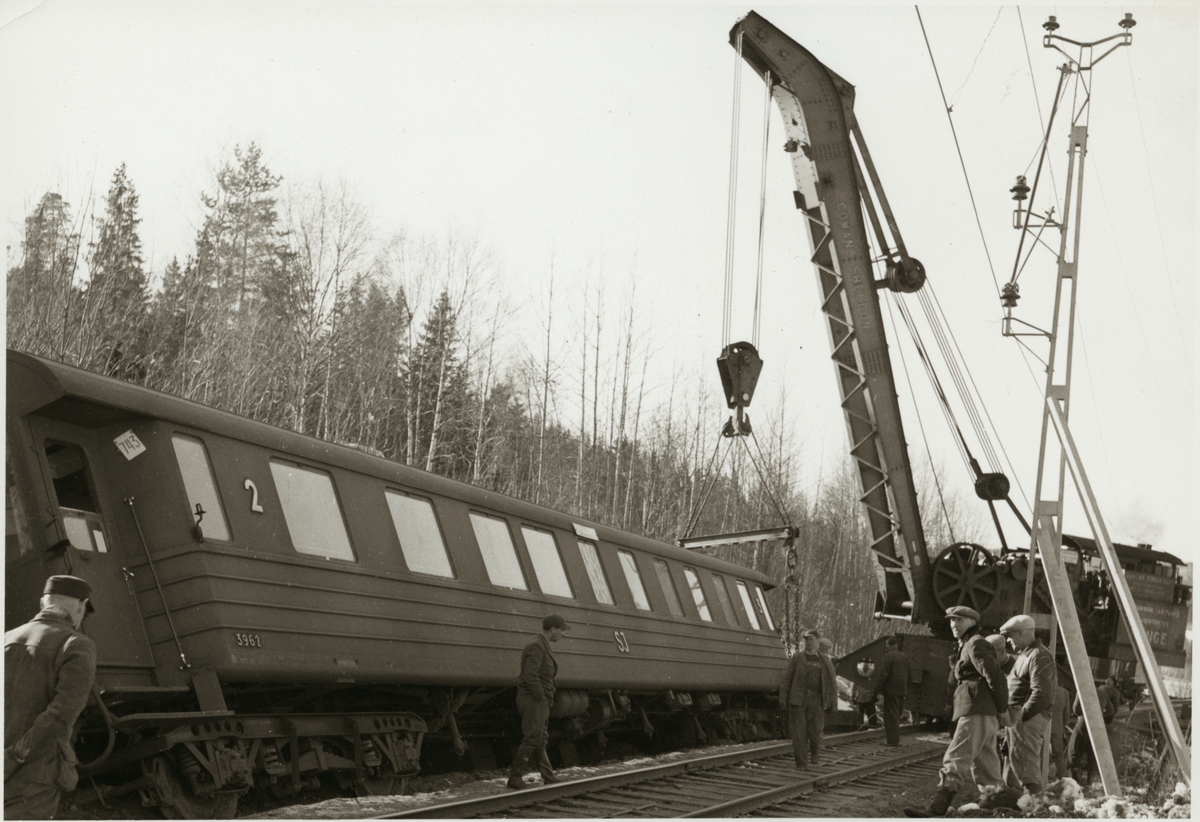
1036, 100
958, 148
1158, 221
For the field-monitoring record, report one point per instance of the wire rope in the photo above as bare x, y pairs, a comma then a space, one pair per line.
706, 489
731, 218
762, 210
924, 437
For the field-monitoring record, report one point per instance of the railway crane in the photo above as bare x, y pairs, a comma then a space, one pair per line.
844, 207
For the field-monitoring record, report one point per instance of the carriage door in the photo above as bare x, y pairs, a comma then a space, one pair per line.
94, 553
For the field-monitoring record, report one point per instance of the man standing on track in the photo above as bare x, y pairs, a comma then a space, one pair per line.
535, 696
48, 671
980, 706
892, 681
1031, 686
807, 689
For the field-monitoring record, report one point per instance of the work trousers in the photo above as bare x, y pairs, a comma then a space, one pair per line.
1058, 752
893, 706
1023, 767
535, 715
806, 723
973, 750
30, 800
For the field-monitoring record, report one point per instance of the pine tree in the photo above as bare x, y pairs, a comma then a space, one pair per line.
41, 294
116, 300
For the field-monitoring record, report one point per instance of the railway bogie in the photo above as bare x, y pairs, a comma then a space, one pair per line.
271, 607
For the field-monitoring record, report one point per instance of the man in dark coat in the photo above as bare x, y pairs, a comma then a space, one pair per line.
892, 681
48, 671
980, 707
1031, 686
808, 688
535, 697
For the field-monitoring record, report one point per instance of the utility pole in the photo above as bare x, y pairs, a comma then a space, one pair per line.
1056, 440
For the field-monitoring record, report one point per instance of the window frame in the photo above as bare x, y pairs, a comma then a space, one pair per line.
390, 491
726, 601
748, 603
594, 552
697, 590
213, 487
626, 569
667, 582
526, 528
472, 514
337, 501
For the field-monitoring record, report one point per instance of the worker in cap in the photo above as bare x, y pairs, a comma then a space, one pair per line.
49, 666
1003, 658
1031, 687
807, 690
980, 708
535, 697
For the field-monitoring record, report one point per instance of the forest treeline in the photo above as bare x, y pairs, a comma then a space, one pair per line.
294, 311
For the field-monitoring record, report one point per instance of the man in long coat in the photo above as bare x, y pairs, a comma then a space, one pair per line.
48, 671
808, 688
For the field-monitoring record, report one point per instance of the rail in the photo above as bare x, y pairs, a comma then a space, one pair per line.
720, 785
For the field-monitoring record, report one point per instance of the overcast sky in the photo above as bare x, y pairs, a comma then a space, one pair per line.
599, 137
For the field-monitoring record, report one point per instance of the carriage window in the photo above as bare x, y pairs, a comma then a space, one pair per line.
419, 535
762, 603
668, 587
547, 564
77, 503
591, 560
499, 555
748, 605
731, 617
698, 594
634, 578
199, 486
311, 511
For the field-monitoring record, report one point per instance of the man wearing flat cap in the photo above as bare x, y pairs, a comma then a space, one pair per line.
807, 690
48, 671
1031, 686
980, 707
535, 697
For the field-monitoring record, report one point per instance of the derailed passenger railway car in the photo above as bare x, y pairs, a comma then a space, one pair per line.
271, 606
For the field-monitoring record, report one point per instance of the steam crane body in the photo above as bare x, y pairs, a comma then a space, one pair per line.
843, 204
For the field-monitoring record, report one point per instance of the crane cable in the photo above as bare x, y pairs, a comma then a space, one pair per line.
731, 215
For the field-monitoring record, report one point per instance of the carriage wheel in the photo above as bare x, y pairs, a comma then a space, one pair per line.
176, 799
965, 574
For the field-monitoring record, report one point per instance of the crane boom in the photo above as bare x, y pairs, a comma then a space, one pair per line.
833, 193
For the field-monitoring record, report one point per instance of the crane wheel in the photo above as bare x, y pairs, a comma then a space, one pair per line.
965, 574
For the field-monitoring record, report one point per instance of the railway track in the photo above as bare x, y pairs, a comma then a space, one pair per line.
763, 781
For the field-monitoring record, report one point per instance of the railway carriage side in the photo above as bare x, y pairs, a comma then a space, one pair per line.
248, 572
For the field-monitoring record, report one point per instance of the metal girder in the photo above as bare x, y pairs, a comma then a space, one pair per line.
817, 107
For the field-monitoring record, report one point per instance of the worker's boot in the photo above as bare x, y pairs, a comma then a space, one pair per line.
937, 806
516, 771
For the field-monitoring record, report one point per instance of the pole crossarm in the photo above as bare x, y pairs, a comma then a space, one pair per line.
1125, 601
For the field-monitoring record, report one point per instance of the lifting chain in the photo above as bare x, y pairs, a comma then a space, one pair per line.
791, 602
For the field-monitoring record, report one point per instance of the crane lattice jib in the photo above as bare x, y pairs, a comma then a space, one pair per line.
818, 114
